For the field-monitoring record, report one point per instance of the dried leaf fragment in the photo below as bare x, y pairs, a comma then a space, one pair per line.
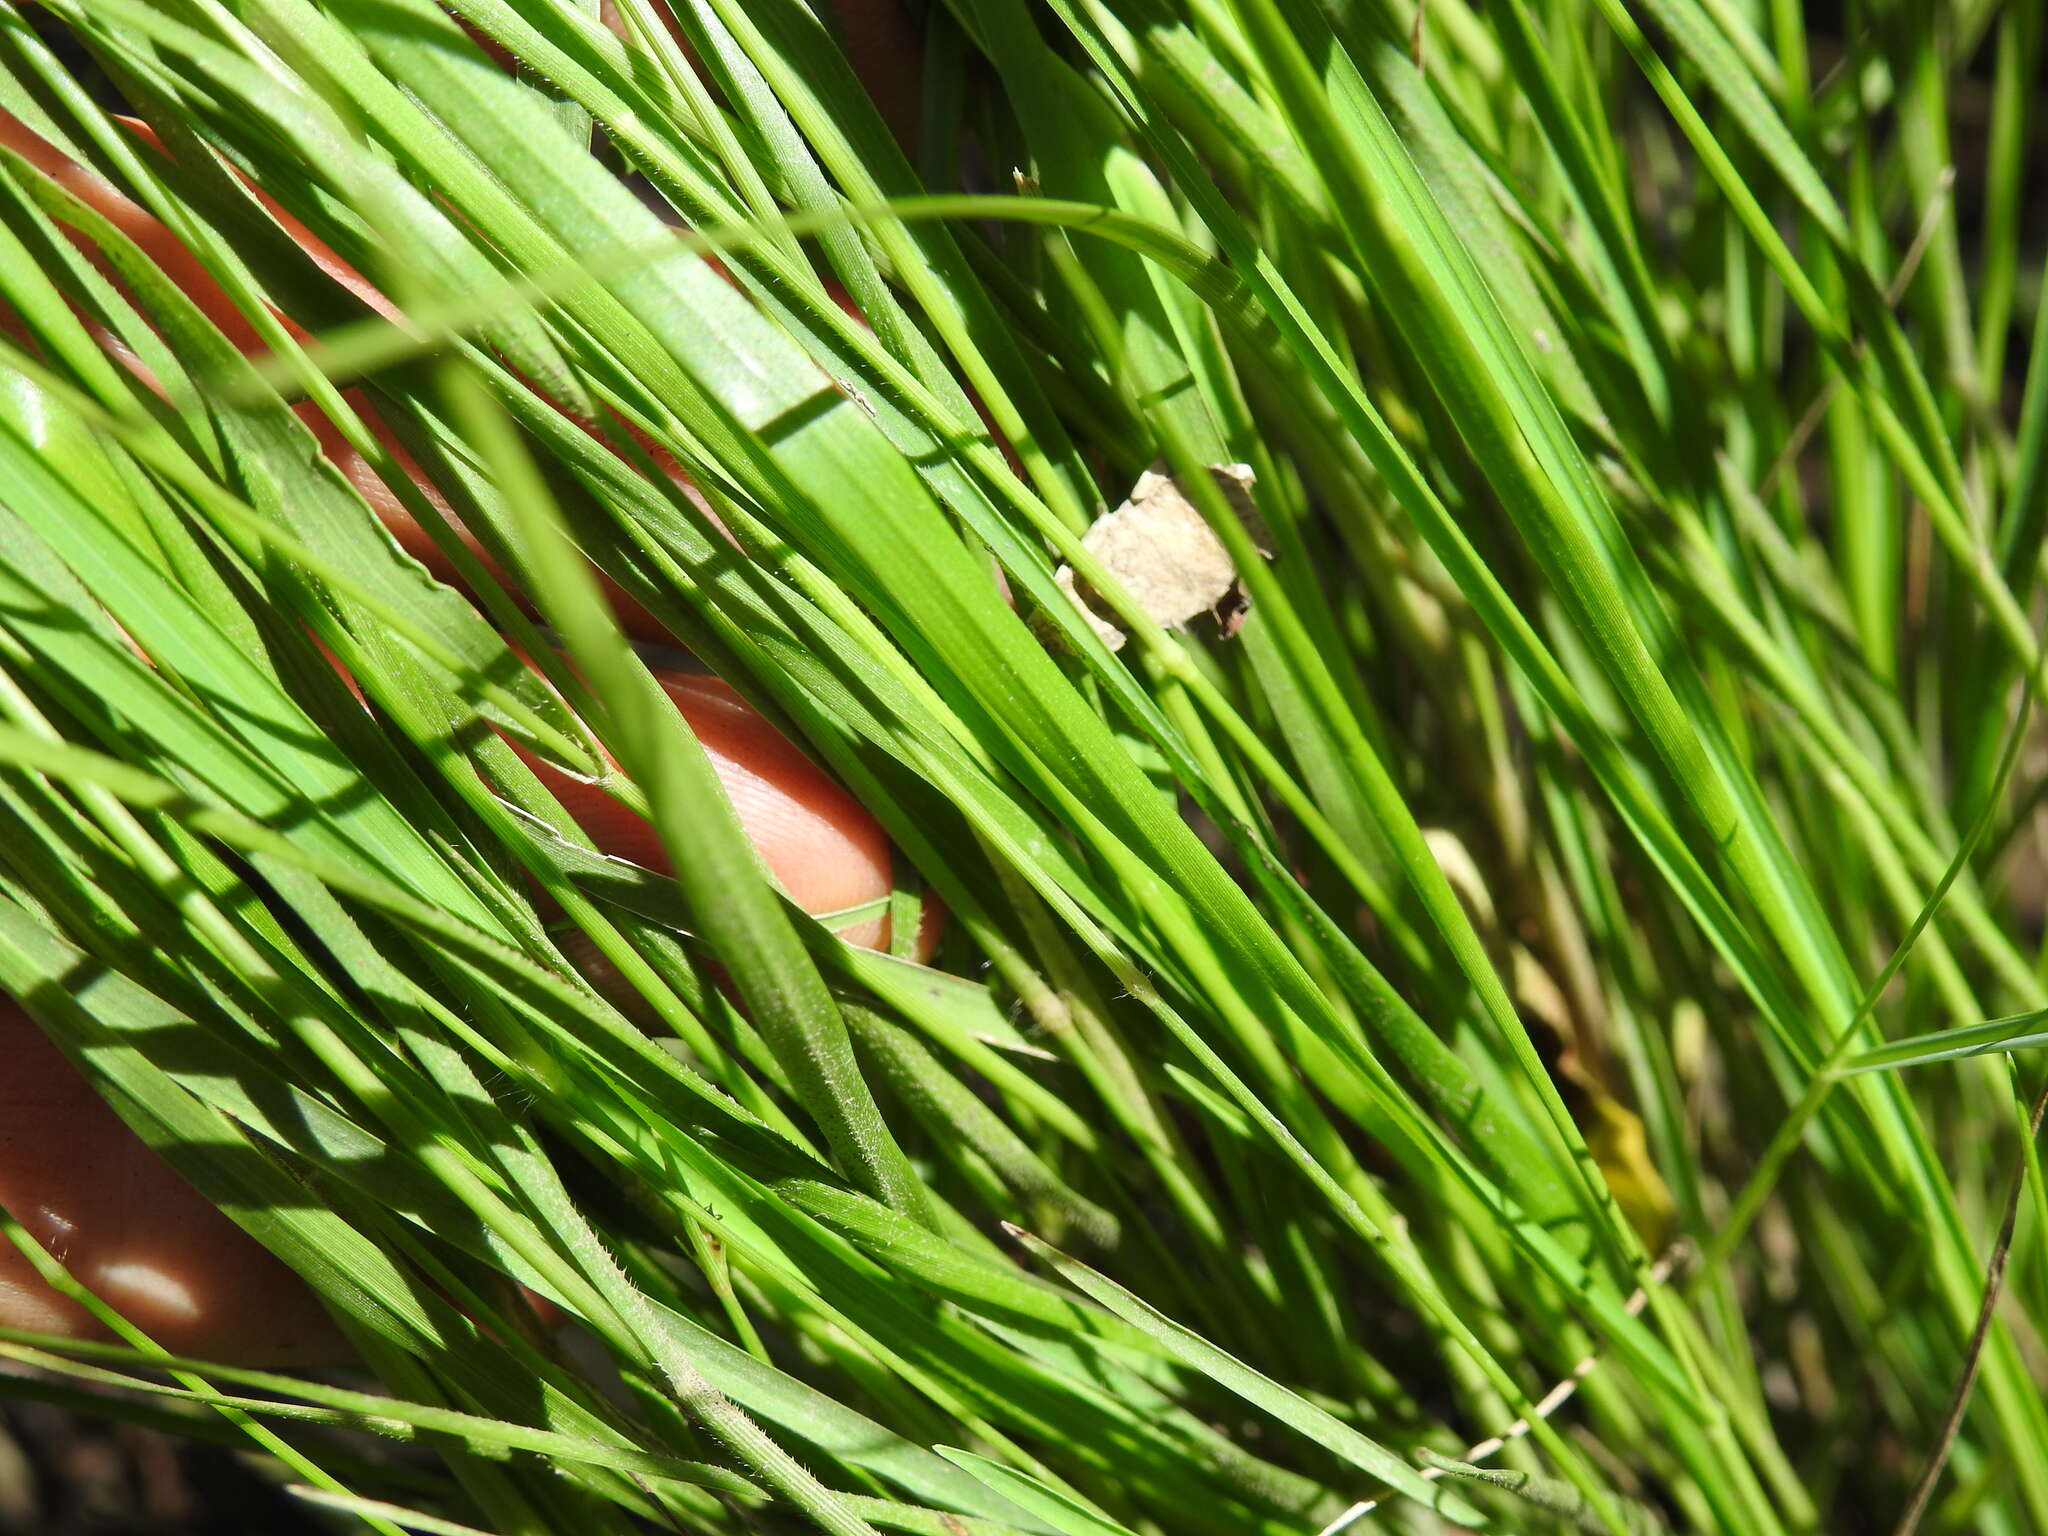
1165, 555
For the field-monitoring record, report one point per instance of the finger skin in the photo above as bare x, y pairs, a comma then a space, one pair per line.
825, 850
143, 1240
120, 1220
128, 1227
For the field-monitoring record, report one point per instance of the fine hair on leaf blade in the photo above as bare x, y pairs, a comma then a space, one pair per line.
635, 898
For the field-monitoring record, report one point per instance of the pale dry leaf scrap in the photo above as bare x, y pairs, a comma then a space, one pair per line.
1167, 557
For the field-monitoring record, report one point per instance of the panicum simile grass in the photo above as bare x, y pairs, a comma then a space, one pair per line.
1521, 997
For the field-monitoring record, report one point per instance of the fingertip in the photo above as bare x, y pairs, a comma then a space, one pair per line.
129, 1229
931, 927
818, 842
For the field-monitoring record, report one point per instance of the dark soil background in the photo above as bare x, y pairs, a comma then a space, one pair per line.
64, 1474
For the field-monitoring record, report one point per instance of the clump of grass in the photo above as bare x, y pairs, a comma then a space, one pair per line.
1548, 943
